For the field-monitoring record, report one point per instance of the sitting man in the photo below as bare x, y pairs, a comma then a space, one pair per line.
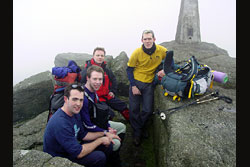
108, 89
94, 81
64, 131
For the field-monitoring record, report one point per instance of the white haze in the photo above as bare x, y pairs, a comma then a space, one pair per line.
44, 28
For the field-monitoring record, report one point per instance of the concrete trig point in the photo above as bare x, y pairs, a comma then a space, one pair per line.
188, 29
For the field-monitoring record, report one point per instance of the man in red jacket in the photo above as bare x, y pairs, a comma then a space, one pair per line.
108, 89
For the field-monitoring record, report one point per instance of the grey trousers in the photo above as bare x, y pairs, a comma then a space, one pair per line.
138, 119
121, 128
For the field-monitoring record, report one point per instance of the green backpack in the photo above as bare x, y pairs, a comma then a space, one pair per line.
185, 81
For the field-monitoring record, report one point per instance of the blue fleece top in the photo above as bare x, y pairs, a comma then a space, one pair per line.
85, 117
61, 72
62, 135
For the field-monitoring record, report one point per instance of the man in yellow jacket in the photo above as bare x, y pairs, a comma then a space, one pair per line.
141, 70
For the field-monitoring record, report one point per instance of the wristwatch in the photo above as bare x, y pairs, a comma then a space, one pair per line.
105, 132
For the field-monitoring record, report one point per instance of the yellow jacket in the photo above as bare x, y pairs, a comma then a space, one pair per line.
144, 64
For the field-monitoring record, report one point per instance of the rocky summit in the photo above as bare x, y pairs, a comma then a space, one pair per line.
198, 135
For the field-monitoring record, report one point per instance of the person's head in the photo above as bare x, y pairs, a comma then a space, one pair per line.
73, 98
148, 38
99, 55
95, 76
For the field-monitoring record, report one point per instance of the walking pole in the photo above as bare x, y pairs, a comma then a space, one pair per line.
214, 94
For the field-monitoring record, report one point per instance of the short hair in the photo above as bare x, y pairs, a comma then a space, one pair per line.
148, 32
99, 48
94, 68
76, 85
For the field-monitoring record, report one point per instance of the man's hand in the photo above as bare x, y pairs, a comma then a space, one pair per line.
135, 91
113, 131
105, 140
160, 73
111, 94
112, 136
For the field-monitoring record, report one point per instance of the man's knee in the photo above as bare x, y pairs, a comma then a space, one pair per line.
117, 144
95, 158
122, 128
100, 159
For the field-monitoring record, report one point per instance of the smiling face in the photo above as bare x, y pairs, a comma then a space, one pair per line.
95, 81
74, 102
148, 40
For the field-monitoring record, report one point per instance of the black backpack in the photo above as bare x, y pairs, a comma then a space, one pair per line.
100, 113
63, 76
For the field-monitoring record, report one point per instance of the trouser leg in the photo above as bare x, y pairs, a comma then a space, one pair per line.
134, 112
117, 104
115, 155
147, 103
96, 158
115, 159
137, 118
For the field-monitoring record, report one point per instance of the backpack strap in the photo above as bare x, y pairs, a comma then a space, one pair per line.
61, 83
191, 87
90, 99
193, 70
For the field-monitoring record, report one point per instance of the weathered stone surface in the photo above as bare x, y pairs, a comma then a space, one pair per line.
119, 66
30, 134
62, 59
31, 96
188, 28
198, 135
35, 158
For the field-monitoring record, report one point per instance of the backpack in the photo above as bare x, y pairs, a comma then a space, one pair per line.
100, 114
186, 81
63, 76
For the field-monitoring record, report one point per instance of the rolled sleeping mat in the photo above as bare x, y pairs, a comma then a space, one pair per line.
220, 77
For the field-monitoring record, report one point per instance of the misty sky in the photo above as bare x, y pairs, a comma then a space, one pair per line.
44, 28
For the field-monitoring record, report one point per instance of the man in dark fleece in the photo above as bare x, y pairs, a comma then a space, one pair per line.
64, 133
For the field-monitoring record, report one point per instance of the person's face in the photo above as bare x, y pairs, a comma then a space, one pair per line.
148, 40
74, 102
99, 56
95, 80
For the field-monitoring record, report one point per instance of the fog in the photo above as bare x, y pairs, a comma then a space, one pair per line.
44, 28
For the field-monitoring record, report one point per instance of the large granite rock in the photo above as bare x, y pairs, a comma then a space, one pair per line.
31, 96
119, 66
35, 158
198, 135
62, 59
29, 135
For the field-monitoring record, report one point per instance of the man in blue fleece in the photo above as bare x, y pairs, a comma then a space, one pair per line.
95, 76
64, 133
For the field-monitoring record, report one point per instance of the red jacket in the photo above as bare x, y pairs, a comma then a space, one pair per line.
109, 81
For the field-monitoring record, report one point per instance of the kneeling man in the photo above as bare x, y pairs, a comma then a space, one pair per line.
65, 136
